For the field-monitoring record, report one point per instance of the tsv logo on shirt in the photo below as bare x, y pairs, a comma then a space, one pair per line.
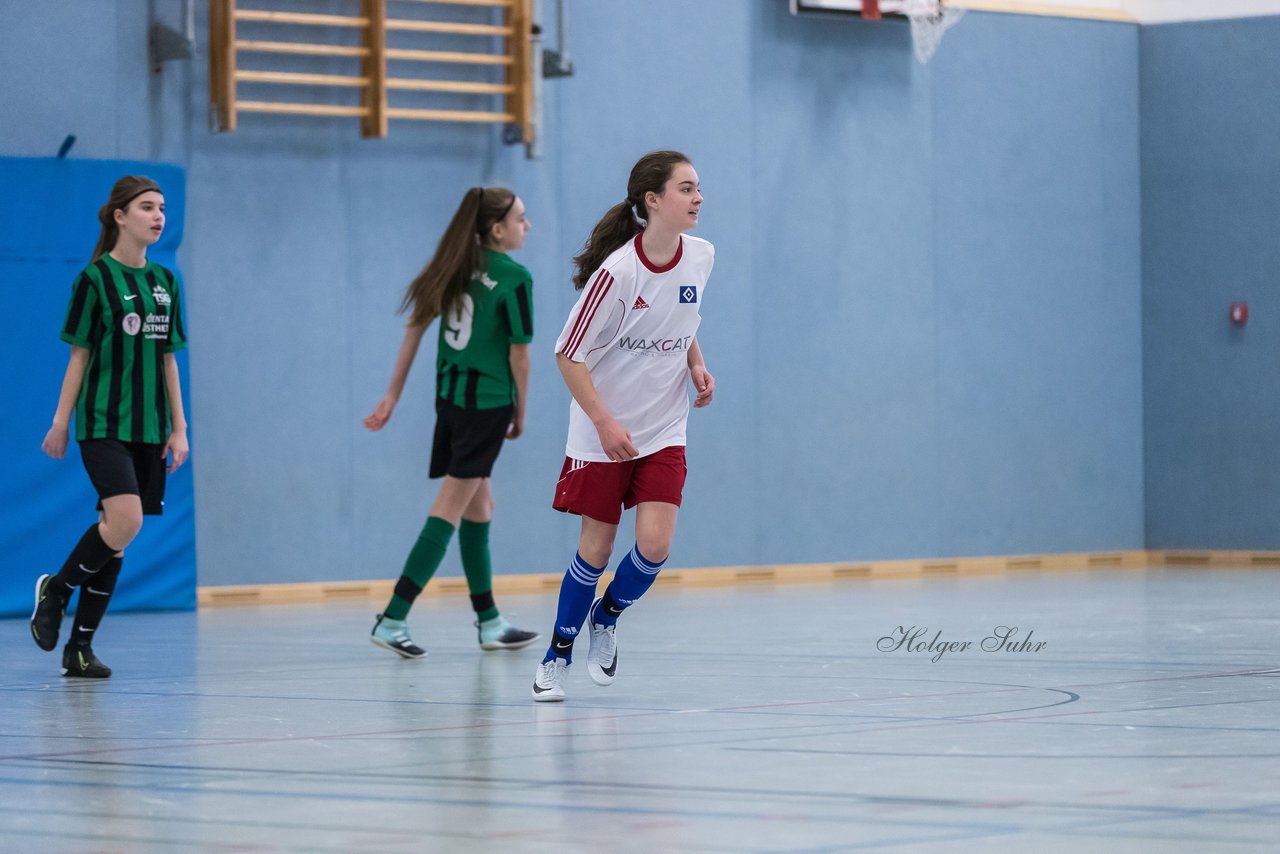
688, 293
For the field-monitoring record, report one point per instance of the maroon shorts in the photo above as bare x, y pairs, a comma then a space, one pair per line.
601, 491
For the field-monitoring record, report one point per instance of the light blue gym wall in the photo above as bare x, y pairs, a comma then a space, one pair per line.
925, 318
1211, 236
947, 284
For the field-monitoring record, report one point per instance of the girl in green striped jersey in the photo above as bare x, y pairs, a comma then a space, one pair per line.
124, 325
485, 304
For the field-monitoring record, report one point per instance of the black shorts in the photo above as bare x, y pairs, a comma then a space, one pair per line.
126, 468
467, 441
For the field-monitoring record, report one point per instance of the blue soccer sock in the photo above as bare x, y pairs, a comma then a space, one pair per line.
634, 576
576, 592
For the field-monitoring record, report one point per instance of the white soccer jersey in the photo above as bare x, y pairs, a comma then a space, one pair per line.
633, 325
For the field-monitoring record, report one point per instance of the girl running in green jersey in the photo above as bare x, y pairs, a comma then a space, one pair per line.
485, 304
124, 325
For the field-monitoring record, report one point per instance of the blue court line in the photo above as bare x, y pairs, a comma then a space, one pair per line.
902, 722
1263, 809
915, 722
1050, 756
970, 829
536, 806
189, 819
1196, 705
752, 709
114, 688
1149, 812
697, 738
1183, 677
1107, 828
800, 799
890, 843
166, 843
1035, 721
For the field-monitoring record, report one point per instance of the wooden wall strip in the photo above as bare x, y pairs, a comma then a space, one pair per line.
265, 594
1052, 10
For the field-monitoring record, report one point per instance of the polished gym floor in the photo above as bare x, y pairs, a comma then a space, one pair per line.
1131, 711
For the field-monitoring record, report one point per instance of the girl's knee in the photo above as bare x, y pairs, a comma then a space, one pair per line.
654, 549
595, 551
120, 525
480, 510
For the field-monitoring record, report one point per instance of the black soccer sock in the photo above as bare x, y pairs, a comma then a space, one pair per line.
89, 556
482, 604
561, 647
95, 595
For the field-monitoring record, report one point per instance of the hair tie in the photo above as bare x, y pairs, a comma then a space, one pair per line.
511, 204
635, 214
125, 204
501, 216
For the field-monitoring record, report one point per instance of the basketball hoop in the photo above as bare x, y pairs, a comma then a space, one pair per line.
930, 19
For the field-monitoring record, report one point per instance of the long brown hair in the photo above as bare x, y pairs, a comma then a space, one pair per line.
441, 284
122, 195
622, 221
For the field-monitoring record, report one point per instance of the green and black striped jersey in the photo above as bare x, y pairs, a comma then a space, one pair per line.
128, 318
473, 367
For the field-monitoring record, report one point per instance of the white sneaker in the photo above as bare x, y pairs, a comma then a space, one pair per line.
602, 660
548, 682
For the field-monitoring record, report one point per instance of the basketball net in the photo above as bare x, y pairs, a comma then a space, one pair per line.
930, 20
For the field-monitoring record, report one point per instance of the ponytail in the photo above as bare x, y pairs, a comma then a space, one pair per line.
123, 193
615, 228
628, 218
441, 284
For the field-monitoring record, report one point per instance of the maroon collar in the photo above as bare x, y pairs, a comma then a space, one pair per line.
649, 265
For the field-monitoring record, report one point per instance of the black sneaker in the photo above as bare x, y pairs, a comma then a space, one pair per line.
499, 634
80, 661
46, 619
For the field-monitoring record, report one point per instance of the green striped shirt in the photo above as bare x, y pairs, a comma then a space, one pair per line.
128, 318
473, 364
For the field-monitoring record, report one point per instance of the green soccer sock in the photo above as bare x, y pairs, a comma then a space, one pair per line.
473, 542
422, 563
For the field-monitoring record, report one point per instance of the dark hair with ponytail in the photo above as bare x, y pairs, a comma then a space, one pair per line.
441, 284
626, 219
123, 193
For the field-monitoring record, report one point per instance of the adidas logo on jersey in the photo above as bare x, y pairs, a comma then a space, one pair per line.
639, 304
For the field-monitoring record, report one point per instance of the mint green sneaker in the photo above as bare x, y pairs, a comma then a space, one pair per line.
499, 634
394, 635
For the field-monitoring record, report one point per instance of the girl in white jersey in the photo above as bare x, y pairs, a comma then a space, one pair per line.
627, 352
